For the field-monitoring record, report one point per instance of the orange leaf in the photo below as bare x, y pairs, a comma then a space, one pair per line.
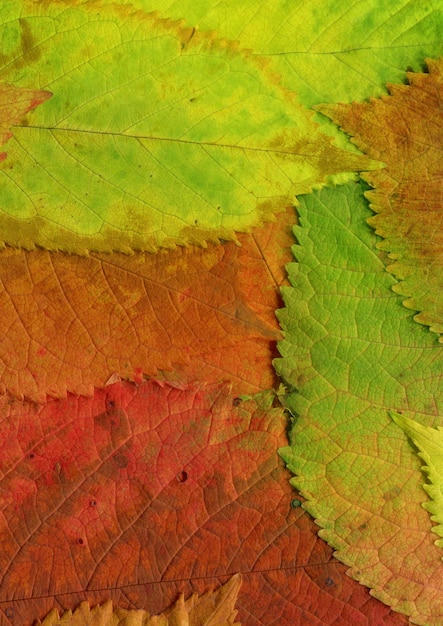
70, 322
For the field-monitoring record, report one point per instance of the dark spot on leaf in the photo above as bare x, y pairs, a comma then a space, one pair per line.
391, 493
9, 613
31, 52
329, 582
80, 541
121, 460
182, 477
236, 401
295, 503
93, 503
31, 455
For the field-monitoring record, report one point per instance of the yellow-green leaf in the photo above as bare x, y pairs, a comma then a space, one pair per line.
352, 353
156, 135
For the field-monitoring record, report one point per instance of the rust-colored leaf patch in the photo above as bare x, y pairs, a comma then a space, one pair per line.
14, 104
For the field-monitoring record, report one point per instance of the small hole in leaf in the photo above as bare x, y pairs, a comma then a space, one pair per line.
236, 401
9, 613
93, 503
295, 504
329, 581
182, 477
80, 541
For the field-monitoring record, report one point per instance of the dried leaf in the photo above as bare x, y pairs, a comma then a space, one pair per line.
70, 322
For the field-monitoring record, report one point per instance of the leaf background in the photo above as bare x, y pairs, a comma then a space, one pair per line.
325, 53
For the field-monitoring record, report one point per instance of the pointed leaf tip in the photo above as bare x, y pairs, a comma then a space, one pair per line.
429, 442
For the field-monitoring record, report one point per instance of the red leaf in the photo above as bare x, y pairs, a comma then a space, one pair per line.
140, 493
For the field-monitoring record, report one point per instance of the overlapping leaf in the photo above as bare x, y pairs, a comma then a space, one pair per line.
354, 353
143, 492
405, 130
155, 135
326, 51
70, 323
429, 442
212, 609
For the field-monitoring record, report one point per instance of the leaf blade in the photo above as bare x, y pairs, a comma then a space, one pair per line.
354, 353
98, 172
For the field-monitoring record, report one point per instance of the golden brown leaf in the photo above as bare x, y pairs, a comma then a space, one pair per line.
212, 609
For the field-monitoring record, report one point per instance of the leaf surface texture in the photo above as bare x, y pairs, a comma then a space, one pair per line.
405, 130
354, 353
155, 135
71, 322
144, 492
212, 609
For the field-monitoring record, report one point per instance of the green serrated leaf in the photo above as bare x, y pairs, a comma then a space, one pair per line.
354, 353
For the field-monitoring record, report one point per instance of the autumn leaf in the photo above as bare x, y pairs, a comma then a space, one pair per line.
144, 492
155, 136
70, 322
14, 104
429, 442
212, 609
405, 130
352, 354
326, 51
